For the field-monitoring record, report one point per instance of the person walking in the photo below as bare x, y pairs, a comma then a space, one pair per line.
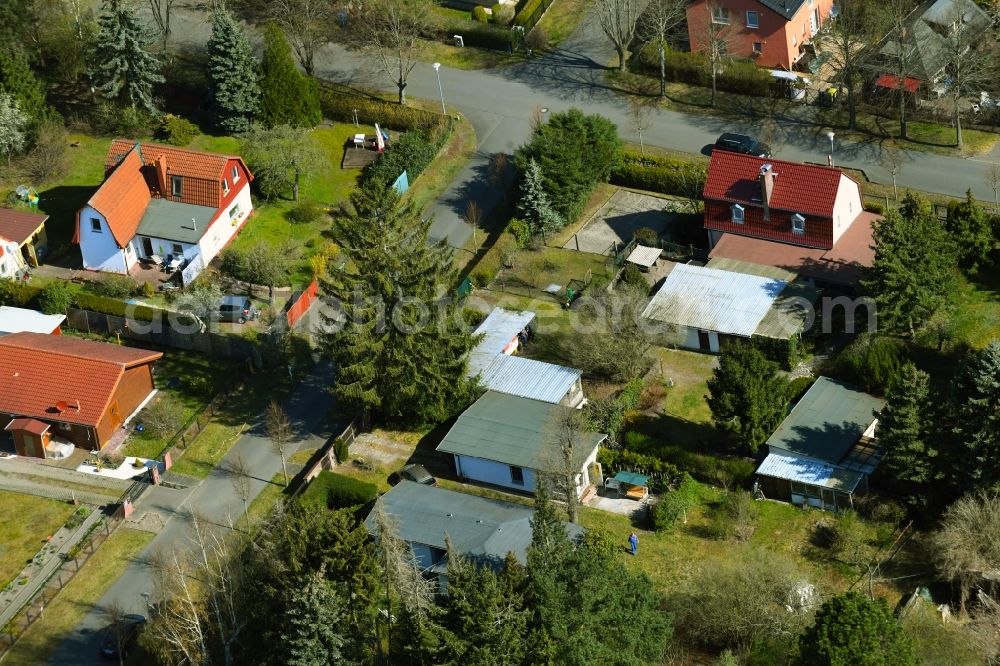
633, 543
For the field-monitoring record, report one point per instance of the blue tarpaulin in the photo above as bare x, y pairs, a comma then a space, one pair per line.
631, 478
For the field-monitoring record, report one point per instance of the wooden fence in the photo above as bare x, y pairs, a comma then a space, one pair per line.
325, 457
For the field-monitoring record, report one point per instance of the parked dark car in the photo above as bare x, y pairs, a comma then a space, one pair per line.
741, 143
124, 638
238, 309
417, 474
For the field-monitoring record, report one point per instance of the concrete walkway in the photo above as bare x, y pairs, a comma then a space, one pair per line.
215, 500
43, 574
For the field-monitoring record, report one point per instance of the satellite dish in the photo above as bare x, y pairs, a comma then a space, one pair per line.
61, 406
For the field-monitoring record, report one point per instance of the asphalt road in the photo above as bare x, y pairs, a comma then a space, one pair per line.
215, 499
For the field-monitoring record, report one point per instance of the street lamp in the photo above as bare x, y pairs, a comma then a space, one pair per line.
437, 69
830, 136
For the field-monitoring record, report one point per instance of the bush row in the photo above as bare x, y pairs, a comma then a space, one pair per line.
338, 105
412, 152
482, 35
739, 76
660, 472
783, 352
666, 175
705, 467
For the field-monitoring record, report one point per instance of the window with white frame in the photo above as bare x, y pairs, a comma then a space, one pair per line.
235, 212
737, 213
798, 223
225, 187
176, 186
720, 15
753, 19
236, 174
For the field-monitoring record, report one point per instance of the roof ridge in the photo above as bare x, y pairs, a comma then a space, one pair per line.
13, 340
181, 149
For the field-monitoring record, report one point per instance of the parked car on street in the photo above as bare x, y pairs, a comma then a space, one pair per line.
122, 638
741, 143
417, 474
237, 309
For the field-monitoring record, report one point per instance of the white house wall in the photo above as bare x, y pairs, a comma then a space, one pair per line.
690, 339
493, 473
11, 260
222, 229
846, 207
99, 250
164, 246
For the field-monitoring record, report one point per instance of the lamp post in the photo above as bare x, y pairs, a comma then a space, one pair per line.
830, 136
437, 70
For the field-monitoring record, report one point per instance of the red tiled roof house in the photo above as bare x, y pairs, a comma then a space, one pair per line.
786, 214
160, 201
770, 31
22, 240
55, 386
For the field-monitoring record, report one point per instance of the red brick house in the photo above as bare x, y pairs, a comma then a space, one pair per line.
805, 218
770, 31
55, 386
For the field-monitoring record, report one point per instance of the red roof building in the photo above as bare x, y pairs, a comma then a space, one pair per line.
786, 214
85, 390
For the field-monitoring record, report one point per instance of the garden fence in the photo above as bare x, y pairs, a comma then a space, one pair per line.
325, 457
528, 22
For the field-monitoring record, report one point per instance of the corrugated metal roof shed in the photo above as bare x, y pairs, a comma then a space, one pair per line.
644, 256
511, 430
787, 315
714, 300
499, 328
826, 422
809, 471
529, 378
481, 528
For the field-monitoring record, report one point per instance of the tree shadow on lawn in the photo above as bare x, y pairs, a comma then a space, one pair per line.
675, 431
61, 203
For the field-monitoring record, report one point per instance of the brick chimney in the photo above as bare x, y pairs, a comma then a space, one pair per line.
161, 175
767, 177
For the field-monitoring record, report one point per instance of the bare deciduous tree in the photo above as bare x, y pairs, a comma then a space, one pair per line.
856, 26
279, 430
161, 11
969, 59
892, 159
391, 31
564, 456
617, 340
308, 25
177, 635
618, 20
221, 572
239, 473
474, 216
114, 614
967, 546
639, 113
714, 40
993, 179
900, 55
657, 24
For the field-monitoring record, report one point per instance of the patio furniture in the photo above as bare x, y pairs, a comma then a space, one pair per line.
629, 484
156, 259
359, 141
174, 264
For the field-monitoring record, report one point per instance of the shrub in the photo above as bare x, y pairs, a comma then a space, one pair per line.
116, 286
632, 276
660, 174
537, 39
875, 207
872, 361
520, 230
472, 317
481, 35
411, 152
337, 491
675, 504
341, 106
502, 14
55, 298
798, 387
305, 212
727, 472
341, 451
738, 76
479, 14
148, 291
607, 415
116, 307
16, 293
525, 11
163, 417
660, 473
198, 385
646, 236
175, 130
735, 516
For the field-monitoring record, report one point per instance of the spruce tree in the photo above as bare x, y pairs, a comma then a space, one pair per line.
914, 264
976, 419
287, 96
904, 433
971, 231
312, 622
232, 69
534, 204
746, 394
19, 81
853, 629
124, 70
402, 349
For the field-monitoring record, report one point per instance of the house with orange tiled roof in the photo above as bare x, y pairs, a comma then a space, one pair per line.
808, 219
57, 391
165, 206
22, 240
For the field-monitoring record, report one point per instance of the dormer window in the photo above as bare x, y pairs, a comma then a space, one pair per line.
798, 223
737, 213
176, 186
225, 187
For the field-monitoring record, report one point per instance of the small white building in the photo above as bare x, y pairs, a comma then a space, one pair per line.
492, 361
23, 320
159, 203
505, 440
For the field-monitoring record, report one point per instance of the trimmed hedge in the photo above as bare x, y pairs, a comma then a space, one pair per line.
116, 308
411, 152
337, 105
481, 35
336, 491
659, 471
739, 76
660, 174
16, 293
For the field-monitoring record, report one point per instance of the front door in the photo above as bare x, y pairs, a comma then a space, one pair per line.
147, 247
703, 342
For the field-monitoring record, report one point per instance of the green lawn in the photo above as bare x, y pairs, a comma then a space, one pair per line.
977, 309
174, 374
562, 18
24, 525
66, 611
538, 269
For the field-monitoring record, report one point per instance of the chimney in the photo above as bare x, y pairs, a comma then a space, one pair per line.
161, 175
767, 177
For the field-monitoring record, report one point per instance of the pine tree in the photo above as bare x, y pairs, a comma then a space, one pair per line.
124, 70
287, 96
904, 433
311, 627
534, 204
976, 419
402, 349
746, 394
914, 264
232, 69
549, 542
18, 80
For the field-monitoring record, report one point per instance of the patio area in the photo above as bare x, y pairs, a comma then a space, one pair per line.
145, 271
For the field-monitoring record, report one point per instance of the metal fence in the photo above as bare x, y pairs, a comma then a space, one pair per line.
528, 22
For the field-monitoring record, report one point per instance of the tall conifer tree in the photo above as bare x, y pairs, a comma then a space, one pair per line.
287, 96
233, 70
124, 70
